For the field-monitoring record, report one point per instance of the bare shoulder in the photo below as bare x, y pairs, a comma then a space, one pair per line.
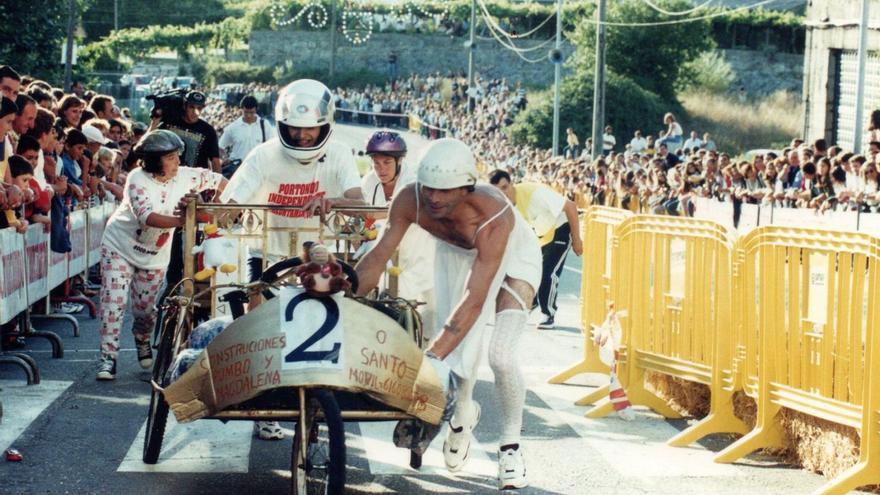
487, 200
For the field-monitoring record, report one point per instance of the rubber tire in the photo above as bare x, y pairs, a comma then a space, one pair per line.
157, 416
336, 443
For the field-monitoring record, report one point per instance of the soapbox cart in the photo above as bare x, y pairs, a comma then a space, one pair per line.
318, 390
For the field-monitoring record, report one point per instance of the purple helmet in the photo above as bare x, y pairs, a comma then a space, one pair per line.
386, 143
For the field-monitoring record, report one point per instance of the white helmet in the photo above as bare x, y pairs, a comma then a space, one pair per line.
447, 163
305, 103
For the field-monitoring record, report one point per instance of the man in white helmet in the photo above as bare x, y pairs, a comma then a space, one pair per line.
302, 166
487, 262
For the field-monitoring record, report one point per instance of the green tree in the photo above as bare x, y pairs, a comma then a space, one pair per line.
33, 32
627, 107
97, 20
652, 56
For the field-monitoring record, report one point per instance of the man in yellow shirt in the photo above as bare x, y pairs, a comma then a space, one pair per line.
555, 220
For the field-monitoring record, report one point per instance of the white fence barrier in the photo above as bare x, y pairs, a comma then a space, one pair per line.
29, 269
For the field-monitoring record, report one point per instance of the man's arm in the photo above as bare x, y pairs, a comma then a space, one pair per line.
571, 214
371, 266
351, 197
491, 243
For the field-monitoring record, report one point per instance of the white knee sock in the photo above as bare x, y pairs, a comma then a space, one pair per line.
506, 365
464, 407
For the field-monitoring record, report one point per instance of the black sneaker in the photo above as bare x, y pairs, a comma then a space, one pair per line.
145, 353
107, 369
547, 324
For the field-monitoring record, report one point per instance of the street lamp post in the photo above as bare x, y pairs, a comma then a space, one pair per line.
599, 82
860, 84
470, 46
556, 58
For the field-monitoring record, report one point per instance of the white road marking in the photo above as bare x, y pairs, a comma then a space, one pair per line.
22, 404
385, 458
203, 446
636, 449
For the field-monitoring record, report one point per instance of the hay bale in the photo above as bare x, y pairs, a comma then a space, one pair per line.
745, 408
686, 398
819, 445
815, 444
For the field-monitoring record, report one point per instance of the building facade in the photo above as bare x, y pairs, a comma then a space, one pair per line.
831, 69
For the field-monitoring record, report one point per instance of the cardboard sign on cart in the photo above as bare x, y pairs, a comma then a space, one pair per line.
296, 340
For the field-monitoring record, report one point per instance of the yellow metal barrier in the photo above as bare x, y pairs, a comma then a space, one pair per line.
736, 363
598, 227
812, 299
674, 278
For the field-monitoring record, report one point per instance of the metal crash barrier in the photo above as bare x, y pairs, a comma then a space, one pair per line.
30, 270
598, 225
788, 316
814, 310
674, 279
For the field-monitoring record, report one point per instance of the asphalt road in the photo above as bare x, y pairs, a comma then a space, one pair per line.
80, 436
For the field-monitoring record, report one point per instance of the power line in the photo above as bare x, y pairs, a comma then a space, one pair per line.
680, 12
681, 21
494, 29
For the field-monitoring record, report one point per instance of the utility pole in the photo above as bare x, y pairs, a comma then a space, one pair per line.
471, 47
599, 82
116, 15
332, 37
557, 76
68, 49
860, 84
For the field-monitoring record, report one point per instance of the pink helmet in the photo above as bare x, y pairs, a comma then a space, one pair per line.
386, 143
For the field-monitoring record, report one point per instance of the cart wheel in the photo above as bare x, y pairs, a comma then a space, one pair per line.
320, 467
158, 413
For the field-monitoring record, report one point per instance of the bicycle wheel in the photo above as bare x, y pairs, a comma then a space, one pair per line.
158, 412
320, 467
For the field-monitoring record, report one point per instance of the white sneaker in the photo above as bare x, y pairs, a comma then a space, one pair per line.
458, 442
627, 414
268, 430
511, 469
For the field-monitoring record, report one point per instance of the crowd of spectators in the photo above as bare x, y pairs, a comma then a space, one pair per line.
64, 150
656, 173
61, 150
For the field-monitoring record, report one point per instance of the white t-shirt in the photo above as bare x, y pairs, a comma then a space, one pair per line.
242, 137
417, 247
268, 175
608, 142
545, 210
692, 143
638, 144
127, 233
372, 190
40, 172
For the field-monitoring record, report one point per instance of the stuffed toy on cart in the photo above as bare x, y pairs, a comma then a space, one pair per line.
215, 252
321, 275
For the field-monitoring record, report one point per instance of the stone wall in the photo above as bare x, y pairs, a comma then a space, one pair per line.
416, 53
761, 73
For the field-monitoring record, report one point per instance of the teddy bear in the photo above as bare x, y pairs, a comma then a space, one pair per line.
321, 275
214, 252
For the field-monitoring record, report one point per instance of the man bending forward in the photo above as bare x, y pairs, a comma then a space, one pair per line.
488, 262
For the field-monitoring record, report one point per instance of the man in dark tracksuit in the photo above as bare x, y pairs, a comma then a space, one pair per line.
555, 221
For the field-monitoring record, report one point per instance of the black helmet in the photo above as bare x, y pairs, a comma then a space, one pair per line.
156, 144
196, 98
159, 142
